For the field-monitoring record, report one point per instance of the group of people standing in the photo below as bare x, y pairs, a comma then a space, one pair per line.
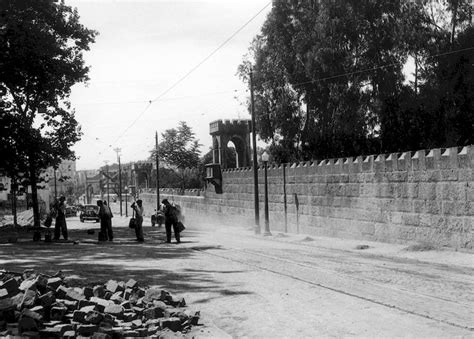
171, 212
171, 220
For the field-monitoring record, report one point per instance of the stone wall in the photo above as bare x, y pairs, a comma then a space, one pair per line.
401, 197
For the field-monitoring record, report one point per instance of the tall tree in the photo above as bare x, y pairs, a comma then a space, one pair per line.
329, 78
41, 43
179, 150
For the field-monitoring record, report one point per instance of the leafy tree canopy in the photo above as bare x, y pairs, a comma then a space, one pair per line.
179, 149
42, 44
328, 76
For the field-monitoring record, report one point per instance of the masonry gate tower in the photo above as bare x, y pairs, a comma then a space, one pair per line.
237, 131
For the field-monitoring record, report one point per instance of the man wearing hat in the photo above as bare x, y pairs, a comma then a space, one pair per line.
171, 219
60, 226
138, 208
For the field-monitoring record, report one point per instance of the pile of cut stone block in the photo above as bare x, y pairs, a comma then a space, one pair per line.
37, 305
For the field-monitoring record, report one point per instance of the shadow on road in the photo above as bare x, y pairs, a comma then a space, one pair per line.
152, 263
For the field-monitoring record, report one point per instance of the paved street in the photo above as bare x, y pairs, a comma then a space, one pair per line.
253, 286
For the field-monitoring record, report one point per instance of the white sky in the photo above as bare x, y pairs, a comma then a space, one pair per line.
143, 48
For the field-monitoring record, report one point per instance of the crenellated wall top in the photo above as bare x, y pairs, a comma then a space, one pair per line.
428, 159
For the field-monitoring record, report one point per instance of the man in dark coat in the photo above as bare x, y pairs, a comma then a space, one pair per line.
171, 219
60, 226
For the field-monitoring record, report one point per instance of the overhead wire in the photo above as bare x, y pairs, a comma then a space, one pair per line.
372, 69
163, 99
162, 94
150, 102
378, 67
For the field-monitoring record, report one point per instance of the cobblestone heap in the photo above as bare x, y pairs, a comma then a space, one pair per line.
41, 306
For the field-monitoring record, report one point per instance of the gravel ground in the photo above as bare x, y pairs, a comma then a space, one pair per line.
251, 286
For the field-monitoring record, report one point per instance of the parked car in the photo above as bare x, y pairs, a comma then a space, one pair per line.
157, 218
90, 212
70, 211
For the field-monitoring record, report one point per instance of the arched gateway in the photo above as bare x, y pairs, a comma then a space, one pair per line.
236, 131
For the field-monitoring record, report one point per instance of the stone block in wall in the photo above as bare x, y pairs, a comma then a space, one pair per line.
397, 176
391, 162
432, 159
314, 190
404, 161
367, 189
395, 218
338, 166
466, 158
401, 191
413, 189
419, 206
316, 200
411, 219
386, 232
418, 161
365, 228
453, 208
353, 177
347, 164
379, 165
344, 178
457, 225
470, 208
356, 165
454, 191
368, 164
414, 176
466, 174
449, 175
427, 191
346, 201
406, 233
430, 175
449, 158
352, 190
403, 205
433, 207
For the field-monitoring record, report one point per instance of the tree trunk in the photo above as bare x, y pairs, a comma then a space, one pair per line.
13, 190
416, 75
454, 20
34, 195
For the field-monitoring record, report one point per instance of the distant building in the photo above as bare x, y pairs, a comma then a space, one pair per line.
89, 185
61, 181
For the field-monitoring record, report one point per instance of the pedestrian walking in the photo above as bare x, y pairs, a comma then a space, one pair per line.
108, 225
138, 208
103, 221
171, 219
60, 225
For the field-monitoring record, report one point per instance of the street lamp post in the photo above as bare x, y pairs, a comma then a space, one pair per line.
157, 160
126, 195
254, 162
265, 158
108, 195
120, 178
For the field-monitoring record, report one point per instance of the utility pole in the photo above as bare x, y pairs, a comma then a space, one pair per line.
107, 171
86, 198
255, 170
157, 173
117, 150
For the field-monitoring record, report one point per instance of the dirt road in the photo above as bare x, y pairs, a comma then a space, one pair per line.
251, 286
